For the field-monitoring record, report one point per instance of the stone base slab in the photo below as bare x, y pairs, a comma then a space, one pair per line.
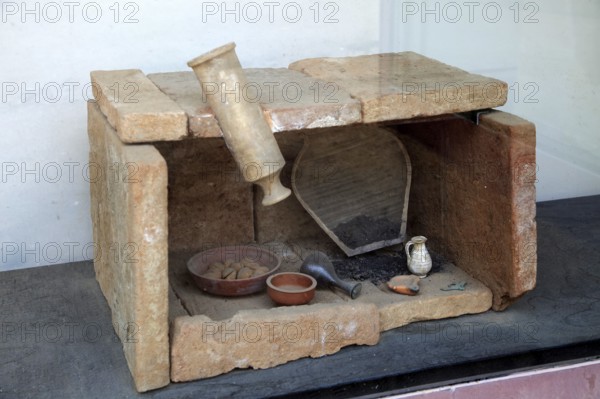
259, 339
226, 333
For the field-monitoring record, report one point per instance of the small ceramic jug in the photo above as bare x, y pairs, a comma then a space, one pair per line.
418, 261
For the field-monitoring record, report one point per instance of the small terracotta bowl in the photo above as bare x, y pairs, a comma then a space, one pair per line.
291, 288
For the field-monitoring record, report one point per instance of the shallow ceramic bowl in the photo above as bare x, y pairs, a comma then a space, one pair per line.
199, 263
291, 288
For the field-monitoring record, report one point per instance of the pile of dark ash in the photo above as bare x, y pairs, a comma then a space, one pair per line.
363, 230
379, 267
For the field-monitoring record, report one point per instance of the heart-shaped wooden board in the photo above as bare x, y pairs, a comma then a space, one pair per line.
355, 182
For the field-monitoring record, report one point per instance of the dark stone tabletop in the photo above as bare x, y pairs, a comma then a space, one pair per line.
56, 337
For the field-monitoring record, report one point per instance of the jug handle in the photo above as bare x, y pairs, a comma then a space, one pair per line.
407, 249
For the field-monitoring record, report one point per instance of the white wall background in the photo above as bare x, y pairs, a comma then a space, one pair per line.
48, 48
547, 51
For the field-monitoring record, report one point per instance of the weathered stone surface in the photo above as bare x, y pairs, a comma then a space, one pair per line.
431, 303
473, 196
290, 100
136, 108
523, 169
176, 308
184, 89
210, 204
129, 213
406, 85
301, 102
203, 348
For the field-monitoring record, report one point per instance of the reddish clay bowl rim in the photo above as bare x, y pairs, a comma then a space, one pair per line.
199, 263
284, 296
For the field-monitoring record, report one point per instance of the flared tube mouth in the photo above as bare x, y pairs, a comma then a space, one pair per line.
273, 190
211, 54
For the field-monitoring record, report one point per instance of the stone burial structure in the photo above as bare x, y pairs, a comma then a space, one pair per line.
177, 191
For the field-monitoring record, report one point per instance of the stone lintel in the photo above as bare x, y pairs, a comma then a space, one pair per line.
290, 100
136, 108
406, 85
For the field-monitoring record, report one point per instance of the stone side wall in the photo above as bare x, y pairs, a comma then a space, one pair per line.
210, 204
473, 196
129, 212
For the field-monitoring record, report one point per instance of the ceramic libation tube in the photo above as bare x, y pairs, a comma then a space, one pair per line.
245, 130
